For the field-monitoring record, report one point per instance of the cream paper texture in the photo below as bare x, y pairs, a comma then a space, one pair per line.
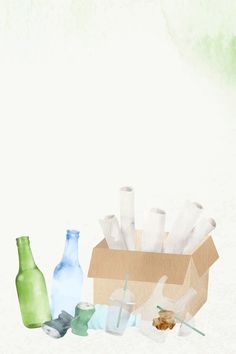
95, 95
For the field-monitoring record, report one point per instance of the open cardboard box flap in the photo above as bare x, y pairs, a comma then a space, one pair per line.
148, 266
205, 255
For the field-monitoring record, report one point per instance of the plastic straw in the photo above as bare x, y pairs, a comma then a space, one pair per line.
183, 322
123, 299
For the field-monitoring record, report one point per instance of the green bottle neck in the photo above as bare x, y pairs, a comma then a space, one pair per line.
26, 259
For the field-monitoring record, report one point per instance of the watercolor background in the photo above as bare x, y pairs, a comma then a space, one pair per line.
93, 96
205, 32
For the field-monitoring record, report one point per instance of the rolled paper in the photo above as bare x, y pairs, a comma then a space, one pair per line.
199, 232
112, 232
57, 328
83, 312
127, 216
186, 220
154, 231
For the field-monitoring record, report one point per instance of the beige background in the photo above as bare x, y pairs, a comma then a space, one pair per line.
93, 97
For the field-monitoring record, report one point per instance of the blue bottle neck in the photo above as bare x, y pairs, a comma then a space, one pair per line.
71, 248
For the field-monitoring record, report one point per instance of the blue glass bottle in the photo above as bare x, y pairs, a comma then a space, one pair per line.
67, 278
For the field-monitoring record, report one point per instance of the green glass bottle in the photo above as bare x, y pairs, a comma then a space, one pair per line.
31, 288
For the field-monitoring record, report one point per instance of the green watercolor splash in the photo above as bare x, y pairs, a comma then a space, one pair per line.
205, 31
220, 53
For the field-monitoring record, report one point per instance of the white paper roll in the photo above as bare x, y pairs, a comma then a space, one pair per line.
112, 232
182, 227
154, 230
199, 232
127, 216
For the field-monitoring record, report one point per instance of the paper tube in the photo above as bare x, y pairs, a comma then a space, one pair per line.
112, 232
200, 231
127, 216
153, 232
186, 220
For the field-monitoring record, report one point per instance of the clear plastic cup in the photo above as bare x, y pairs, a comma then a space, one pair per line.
121, 305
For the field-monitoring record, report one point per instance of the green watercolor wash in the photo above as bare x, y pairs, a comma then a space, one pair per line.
220, 54
205, 31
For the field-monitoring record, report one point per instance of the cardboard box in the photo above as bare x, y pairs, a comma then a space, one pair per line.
108, 268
